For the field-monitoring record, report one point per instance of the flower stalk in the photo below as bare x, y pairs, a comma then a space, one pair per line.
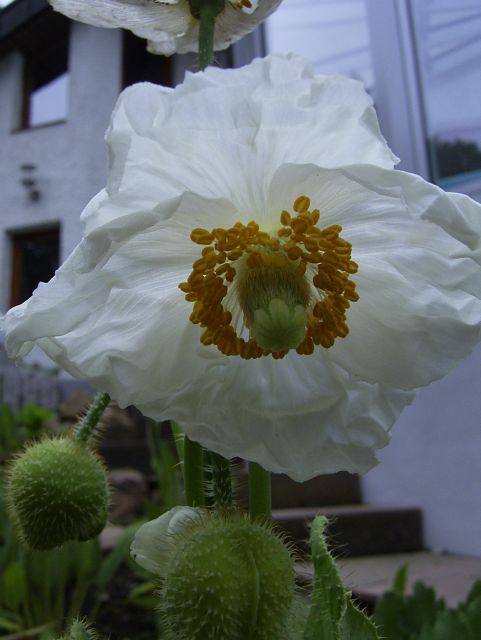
193, 473
206, 11
221, 481
87, 425
260, 501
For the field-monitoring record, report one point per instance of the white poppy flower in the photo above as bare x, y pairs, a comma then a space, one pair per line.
168, 25
316, 377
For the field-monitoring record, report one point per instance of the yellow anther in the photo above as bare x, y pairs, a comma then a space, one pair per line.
310, 265
301, 204
294, 253
311, 244
299, 225
201, 236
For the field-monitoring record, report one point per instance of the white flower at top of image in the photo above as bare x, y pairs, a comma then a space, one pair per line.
256, 270
168, 25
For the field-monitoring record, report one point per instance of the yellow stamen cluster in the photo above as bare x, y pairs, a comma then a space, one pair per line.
319, 258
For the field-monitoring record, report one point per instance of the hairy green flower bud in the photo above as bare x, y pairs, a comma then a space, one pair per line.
228, 579
57, 491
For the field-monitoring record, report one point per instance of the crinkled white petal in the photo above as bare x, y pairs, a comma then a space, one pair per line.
419, 280
210, 154
224, 133
168, 26
152, 545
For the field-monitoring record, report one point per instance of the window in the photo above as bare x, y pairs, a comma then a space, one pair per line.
449, 45
332, 34
141, 66
35, 257
46, 79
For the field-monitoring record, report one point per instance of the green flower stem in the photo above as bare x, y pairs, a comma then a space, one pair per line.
260, 502
208, 14
87, 425
221, 481
193, 473
206, 11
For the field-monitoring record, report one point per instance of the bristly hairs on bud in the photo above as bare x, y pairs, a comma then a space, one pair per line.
89, 425
57, 490
228, 578
81, 629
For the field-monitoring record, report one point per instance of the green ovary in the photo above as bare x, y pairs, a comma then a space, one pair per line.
274, 302
279, 326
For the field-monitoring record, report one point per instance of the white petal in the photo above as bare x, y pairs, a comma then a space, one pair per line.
247, 122
168, 26
419, 282
301, 416
152, 545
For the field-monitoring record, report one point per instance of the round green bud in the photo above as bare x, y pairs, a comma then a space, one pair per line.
56, 491
228, 579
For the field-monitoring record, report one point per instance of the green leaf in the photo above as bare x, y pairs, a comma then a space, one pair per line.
388, 615
14, 585
328, 596
356, 625
449, 625
475, 592
400, 580
472, 613
116, 557
10, 621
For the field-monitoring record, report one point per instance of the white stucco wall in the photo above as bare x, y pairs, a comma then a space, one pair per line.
70, 156
434, 461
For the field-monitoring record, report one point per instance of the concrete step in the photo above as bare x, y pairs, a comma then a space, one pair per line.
359, 529
329, 489
368, 577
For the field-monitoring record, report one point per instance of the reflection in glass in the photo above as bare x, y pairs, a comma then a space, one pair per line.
332, 34
449, 43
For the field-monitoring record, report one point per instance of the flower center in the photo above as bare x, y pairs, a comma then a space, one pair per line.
257, 294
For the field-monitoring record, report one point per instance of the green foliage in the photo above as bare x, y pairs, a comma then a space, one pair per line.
15, 429
167, 471
39, 590
332, 615
423, 616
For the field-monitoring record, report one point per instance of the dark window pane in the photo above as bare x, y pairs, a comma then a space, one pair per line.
35, 259
46, 79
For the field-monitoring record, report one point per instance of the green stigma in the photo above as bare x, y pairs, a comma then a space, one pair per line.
279, 327
274, 301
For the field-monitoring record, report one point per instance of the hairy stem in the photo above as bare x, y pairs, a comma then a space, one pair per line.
87, 425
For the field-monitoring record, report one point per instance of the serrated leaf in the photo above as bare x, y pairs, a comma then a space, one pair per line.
356, 625
328, 596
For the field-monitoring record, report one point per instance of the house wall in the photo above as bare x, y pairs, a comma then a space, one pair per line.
70, 156
434, 460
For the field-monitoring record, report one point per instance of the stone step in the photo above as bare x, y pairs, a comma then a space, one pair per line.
357, 530
368, 577
330, 489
